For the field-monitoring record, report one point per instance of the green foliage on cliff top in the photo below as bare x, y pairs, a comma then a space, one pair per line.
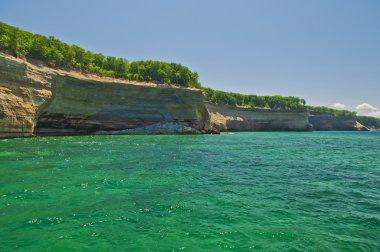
330, 111
369, 121
252, 101
55, 53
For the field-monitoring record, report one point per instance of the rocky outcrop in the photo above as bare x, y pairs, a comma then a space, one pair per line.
36, 100
245, 119
24, 92
41, 101
88, 106
325, 122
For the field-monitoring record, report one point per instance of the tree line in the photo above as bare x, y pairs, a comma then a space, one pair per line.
252, 101
330, 111
369, 121
54, 53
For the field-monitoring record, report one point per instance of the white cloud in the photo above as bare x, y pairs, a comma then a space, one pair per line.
375, 114
368, 110
366, 106
339, 105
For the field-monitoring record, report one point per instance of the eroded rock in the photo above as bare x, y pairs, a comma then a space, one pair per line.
245, 119
43, 101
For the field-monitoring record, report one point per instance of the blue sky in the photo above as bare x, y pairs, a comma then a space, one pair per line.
325, 51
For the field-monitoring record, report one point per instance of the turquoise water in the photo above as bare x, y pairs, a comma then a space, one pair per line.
314, 191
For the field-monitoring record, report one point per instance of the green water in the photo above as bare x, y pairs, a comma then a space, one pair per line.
314, 191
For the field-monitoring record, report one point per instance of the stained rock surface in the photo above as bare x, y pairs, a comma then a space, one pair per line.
244, 119
340, 123
36, 100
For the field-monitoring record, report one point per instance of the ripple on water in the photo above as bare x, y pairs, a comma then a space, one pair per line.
270, 191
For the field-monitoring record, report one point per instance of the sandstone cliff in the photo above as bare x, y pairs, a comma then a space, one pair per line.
24, 92
244, 119
324, 122
41, 101
36, 100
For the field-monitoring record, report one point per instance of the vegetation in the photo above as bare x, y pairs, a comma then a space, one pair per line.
170, 73
251, 101
369, 121
330, 111
55, 53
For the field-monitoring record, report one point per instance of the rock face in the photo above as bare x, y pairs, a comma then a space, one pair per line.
35, 100
340, 123
24, 92
41, 101
243, 119
87, 106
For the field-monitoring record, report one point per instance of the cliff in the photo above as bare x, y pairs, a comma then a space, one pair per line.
24, 92
325, 122
244, 119
35, 100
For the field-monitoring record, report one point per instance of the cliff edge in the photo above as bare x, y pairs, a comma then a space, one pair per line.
325, 122
228, 118
36, 100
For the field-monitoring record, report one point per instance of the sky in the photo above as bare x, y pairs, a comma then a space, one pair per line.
325, 51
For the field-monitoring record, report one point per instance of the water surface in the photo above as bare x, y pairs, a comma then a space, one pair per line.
315, 191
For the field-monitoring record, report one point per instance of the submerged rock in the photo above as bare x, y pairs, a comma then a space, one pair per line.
157, 128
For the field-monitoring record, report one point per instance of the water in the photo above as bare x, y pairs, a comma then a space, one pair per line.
314, 191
